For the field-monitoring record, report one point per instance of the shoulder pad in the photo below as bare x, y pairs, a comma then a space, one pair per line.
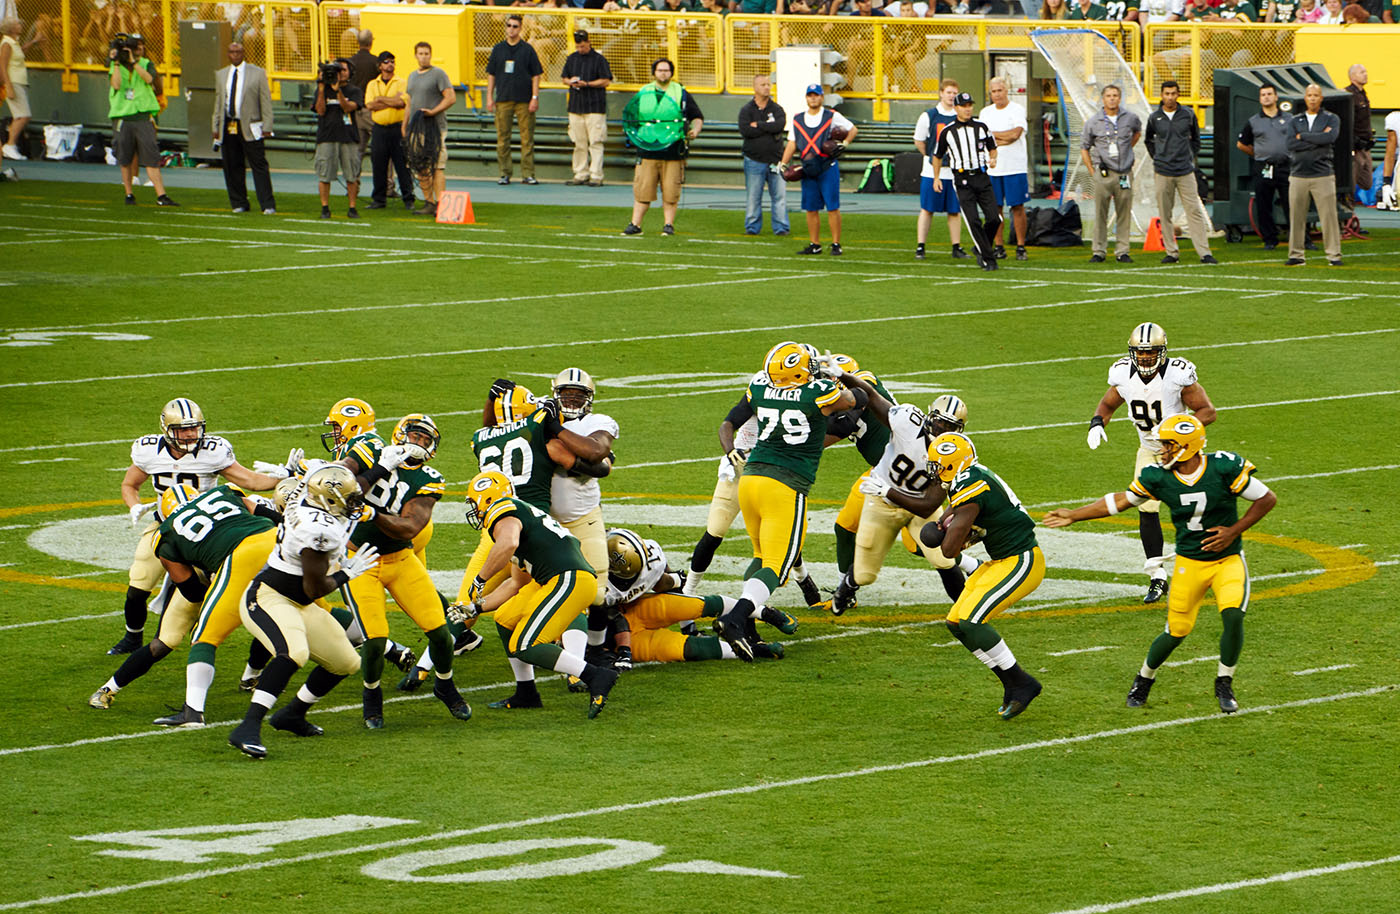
1120, 371
1180, 372
759, 377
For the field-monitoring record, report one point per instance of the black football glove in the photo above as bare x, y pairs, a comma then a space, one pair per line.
501, 387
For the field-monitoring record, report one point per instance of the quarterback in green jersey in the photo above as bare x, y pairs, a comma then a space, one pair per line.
1201, 491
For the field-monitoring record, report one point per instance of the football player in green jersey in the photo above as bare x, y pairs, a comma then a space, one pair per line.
401, 489
1201, 491
551, 585
791, 403
1015, 568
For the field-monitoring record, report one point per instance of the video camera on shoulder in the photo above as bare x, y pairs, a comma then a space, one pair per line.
122, 48
330, 74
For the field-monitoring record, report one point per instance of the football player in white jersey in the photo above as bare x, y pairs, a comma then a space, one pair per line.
279, 608
738, 433
181, 453
1154, 387
898, 490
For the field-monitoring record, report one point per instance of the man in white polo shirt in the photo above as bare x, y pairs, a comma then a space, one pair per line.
1010, 181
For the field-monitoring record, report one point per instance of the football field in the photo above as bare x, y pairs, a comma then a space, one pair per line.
868, 769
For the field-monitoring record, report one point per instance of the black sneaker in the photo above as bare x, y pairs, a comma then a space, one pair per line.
959, 253
1171, 258
810, 592
918, 252
130, 199
352, 213
377, 204
1310, 245
374, 708
572, 182
999, 252
164, 200
445, 691
600, 683
1270, 245
1225, 694
517, 702
668, 229
1021, 252
632, 229
1097, 258
783, 622
1137, 695
836, 249
248, 684
247, 738
292, 722
732, 631
185, 717
1209, 258
988, 264
468, 640
1020, 697
325, 212
1334, 263
1156, 589
129, 642
1294, 262
812, 248
1124, 258
408, 203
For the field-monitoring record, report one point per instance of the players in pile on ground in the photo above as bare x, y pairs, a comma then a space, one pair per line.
570, 595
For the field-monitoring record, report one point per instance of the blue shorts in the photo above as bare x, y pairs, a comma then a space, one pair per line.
823, 193
1011, 190
932, 201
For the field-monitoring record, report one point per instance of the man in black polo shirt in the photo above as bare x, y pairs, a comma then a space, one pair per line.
1265, 140
969, 148
337, 139
513, 92
364, 66
587, 74
763, 124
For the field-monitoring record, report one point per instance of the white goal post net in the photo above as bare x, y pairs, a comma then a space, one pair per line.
1086, 63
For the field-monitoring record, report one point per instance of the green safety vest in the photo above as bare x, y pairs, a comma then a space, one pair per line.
143, 95
660, 118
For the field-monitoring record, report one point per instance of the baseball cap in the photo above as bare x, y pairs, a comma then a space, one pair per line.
964, 98
580, 35
815, 89
385, 55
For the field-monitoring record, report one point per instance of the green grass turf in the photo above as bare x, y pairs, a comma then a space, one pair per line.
878, 774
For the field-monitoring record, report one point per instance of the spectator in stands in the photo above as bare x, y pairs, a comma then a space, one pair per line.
763, 124
587, 74
1312, 178
364, 66
753, 7
1355, 12
1174, 141
1087, 9
1053, 9
1331, 13
386, 99
661, 121
1308, 11
667, 6
14, 81
719, 7
1362, 133
1107, 151
513, 93
1155, 11
1237, 11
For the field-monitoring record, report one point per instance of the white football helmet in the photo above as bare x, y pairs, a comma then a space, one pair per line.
180, 415
1147, 347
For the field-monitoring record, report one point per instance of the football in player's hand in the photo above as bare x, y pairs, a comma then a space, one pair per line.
932, 534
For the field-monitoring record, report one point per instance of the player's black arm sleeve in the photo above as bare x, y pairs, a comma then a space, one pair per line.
741, 413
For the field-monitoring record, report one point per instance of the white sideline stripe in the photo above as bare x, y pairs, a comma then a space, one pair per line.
1081, 650
746, 789
1384, 466
1324, 669
332, 266
1191, 661
1219, 887
5, 628
554, 345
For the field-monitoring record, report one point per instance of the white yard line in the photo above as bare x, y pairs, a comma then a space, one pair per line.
5, 628
334, 266
1080, 650
1324, 669
746, 789
1201, 659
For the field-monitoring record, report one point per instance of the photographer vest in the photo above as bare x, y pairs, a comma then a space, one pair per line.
135, 97
660, 117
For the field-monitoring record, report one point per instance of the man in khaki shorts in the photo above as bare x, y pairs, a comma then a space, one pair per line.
337, 138
430, 94
660, 122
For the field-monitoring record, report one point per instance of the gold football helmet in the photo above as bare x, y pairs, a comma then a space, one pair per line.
172, 498
626, 554
842, 362
518, 405
790, 364
417, 424
333, 489
282, 492
950, 454
483, 491
1147, 347
945, 414
349, 418
1182, 437
182, 415
574, 389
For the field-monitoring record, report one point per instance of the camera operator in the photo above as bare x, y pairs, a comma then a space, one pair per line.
133, 85
337, 137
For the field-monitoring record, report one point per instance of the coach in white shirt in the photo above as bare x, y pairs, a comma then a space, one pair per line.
1010, 179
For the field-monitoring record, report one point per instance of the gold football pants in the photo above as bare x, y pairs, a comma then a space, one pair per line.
539, 613
403, 574
651, 618
776, 518
219, 614
1228, 577
592, 538
146, 570
880, 523
997, 584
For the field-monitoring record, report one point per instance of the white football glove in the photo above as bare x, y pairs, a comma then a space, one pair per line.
476, 589
295, 457
363, 560
1387, 200
275, 470
462, 613
415, 453
872, 486
826, 366
1097, 436
393, 456
139, 510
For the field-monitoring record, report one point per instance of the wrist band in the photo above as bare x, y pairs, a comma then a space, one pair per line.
340, 578
375, 473
1096, 422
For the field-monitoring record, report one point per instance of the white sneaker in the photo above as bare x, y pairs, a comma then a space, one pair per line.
12, 152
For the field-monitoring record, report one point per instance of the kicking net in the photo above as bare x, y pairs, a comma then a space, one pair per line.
1086, 62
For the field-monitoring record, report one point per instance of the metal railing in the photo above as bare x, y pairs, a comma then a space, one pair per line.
1190, 53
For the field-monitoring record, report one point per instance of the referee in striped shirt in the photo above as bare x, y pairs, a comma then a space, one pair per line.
968, 148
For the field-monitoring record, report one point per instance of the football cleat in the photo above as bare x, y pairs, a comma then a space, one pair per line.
185, 717
247, 738
126, 645
1147, 347
782, 621
517, 702
288, 720
484, 490
413, 680
768, 650
1155, 590
810, 592
1225, 694
467, 641
249, 684
401, 656
182, 415
844, 596
574, 389
373, 700
348, 419
950, 454
577, 685
733, 631
1137, 695
689, 629
623, 662
102, 699
445, 691
602, 682
1182, 437
1020, 698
